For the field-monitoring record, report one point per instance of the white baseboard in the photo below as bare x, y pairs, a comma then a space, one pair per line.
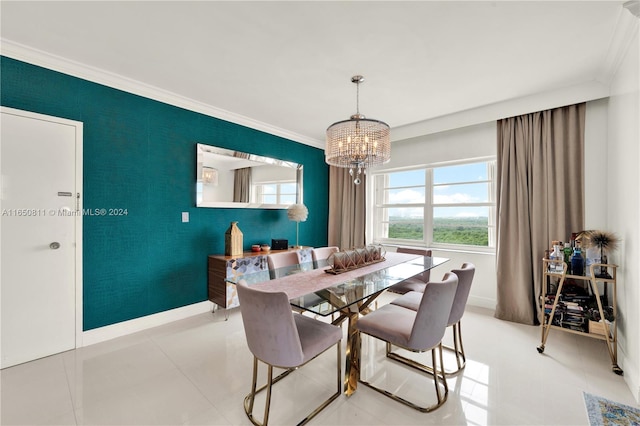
482, 302
630, 373
120, 329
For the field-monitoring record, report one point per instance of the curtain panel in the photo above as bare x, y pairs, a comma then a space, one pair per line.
242, 185
346, 209
539, 198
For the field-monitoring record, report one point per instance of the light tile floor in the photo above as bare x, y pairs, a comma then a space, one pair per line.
197, 371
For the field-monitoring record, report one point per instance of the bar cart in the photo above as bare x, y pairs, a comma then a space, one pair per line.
563, 315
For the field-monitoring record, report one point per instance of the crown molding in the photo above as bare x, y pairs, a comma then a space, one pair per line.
626, 28
555, 98
53, 62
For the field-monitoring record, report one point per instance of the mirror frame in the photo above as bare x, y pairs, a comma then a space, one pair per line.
205, 148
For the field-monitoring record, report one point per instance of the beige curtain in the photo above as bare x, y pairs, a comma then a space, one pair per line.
346, 209
540, 198
242, 185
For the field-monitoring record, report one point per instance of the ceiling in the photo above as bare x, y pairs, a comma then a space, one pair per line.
288, 65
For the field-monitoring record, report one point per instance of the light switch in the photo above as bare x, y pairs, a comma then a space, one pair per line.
185, 217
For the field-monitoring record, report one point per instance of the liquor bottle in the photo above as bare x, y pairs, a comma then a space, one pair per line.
557, 258
546, 256
567, 256
577, 261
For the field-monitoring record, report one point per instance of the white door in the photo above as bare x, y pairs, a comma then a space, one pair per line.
40, 162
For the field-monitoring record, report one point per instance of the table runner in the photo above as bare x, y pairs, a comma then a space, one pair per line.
300, 284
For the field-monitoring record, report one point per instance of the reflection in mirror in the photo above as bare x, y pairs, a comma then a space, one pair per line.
227, 178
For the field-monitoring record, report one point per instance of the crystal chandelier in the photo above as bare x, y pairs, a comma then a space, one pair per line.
359, 142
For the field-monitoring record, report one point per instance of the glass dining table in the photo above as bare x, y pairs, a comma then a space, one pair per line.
348, 294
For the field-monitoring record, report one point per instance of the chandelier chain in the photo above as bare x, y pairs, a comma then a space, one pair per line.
358, 97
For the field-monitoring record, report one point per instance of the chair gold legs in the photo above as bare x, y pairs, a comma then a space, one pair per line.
439, 379
457, 349
250, 398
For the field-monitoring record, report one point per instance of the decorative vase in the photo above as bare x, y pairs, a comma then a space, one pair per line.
233, 240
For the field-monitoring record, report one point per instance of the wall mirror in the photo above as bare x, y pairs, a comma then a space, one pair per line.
227, 178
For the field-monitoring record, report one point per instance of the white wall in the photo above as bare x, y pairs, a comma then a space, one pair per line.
223, 191
269, 173
622, 199
595, 164
475, 141
483, 290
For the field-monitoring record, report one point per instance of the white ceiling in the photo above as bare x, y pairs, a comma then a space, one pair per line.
288, 65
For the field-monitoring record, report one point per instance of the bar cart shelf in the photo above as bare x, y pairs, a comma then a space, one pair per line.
565, 313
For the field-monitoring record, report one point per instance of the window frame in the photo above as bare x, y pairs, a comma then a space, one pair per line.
379, 182
259, 194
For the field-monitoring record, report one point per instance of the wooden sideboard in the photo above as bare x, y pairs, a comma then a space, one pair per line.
252, 264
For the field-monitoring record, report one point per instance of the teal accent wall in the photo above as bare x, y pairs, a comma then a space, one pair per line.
140, 155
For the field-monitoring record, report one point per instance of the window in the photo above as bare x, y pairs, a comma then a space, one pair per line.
436, 206
400, 205
276, 193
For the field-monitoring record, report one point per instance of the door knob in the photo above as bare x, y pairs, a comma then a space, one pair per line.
54, 245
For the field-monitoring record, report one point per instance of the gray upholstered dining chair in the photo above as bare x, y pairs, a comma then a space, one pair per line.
279, 338
415, 331
465, 275
416, 283
275, 261
320, 254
